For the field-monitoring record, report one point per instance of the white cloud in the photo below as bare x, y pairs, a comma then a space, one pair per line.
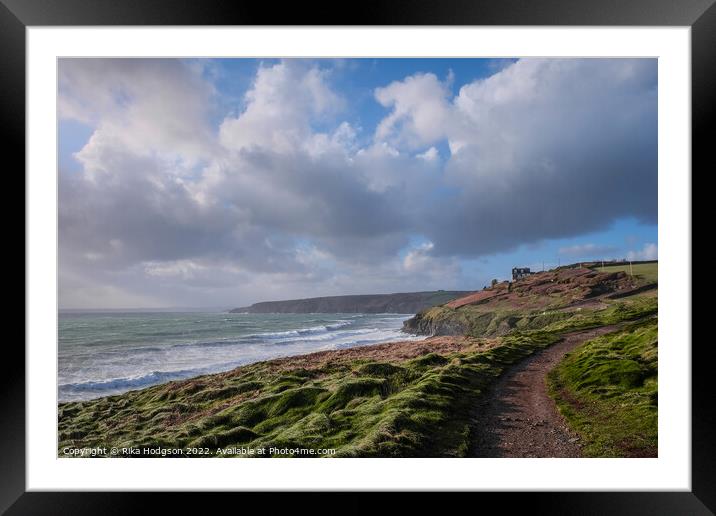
280, 106
149, 106
183, 269
650, 251
432, 270
429, 155
417, 258
420, 111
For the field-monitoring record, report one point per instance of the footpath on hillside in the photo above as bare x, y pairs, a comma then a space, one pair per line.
518, 418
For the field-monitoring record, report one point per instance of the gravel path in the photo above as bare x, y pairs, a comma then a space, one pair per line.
517, 418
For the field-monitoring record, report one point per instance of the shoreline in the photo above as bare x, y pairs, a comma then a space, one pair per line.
181, 348
377, 400
390, 350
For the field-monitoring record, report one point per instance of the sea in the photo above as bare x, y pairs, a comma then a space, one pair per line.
106, 353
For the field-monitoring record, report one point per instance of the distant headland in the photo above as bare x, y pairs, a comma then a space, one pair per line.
400, 303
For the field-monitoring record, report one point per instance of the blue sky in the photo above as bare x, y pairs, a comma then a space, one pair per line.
231, 181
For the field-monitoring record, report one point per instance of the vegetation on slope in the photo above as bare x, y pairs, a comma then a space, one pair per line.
418, 406
414, 399
607, 391
475, 321
531, 303
647, 272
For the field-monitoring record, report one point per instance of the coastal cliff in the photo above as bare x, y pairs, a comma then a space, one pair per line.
402, 303
527, 304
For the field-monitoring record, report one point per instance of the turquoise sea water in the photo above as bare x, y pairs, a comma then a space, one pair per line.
112, 352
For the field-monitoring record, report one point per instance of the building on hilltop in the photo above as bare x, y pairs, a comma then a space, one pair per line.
520, 272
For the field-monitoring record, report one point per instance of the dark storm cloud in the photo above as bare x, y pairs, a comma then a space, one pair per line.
561, 148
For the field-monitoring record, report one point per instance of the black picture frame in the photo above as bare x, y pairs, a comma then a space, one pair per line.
17, 15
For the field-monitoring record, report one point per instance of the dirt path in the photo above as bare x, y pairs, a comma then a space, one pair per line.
518, 418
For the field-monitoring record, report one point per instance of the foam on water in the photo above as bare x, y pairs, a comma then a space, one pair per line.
109, 353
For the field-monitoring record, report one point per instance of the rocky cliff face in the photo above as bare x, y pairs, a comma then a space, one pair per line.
404, 303
424, 324
529, 303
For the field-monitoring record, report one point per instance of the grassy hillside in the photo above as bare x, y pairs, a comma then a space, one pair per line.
399, 399
648, 272
417, 406
528, 304
607, 391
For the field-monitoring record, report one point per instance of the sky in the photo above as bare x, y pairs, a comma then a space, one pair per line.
224, 182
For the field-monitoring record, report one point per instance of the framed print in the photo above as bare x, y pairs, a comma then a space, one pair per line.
417, 253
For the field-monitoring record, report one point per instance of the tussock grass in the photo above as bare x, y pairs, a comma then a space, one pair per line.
607, 391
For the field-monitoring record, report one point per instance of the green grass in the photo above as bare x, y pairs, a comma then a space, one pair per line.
607, 391
628, 309
361, 408
475, 321
418, 407
649, 272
